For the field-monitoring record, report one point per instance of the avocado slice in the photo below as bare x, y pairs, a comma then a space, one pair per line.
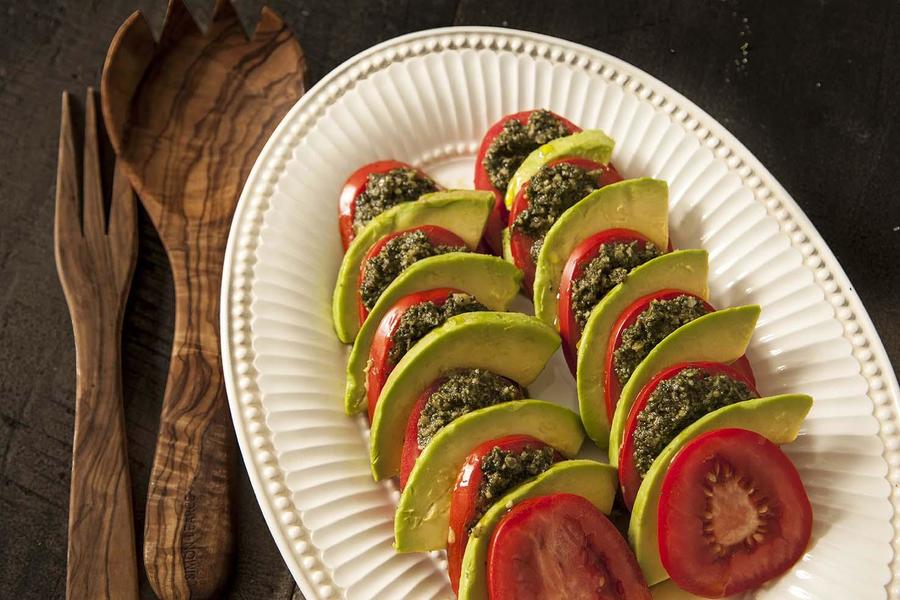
464, 212
513, 345
492, 281
592, 480
683, 270
638, 204
591, 144
422, 520
720, 336
777, 417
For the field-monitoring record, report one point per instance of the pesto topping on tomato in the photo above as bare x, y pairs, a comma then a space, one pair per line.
384, 190
604, 272
460, 393
421, 318
502, 470
516, 141
552, 190
676, 403
396, 255
660, 318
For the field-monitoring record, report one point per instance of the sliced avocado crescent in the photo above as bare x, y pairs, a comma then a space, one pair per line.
681, 270
777, 417
513, 345
586, 478
464, 212
591, 144
492, 281
422, 520
641, 205
720, 336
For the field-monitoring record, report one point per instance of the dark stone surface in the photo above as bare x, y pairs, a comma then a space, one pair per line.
815, 101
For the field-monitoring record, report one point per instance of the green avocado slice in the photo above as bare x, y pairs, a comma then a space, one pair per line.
682, 270
513, 345
777, 417
422, 520
492, 281
641, 205
464, 212
592, 480
591, 144
720, 336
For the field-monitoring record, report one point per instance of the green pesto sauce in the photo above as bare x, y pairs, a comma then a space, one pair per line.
384, 190
460, 393
604, 272
675, 404
396, 255
551, 191
502, 470
515, 142
421, 318
660, 318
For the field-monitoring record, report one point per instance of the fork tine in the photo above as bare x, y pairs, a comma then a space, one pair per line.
177, 24
123, 224
67, 222
94, 222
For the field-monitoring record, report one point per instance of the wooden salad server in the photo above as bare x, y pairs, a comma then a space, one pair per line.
95, 258
187, 116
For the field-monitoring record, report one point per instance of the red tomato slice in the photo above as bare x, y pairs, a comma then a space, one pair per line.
612, 388
411, 449
520, 243
629, 477
584, 253
561, 546
465, 493
436, 235
733, 514
382, 343
497, 220
356, 185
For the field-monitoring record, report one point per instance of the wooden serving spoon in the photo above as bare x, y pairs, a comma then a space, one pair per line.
187, 117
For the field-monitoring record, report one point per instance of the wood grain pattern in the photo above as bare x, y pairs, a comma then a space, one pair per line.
95, 268
187, 132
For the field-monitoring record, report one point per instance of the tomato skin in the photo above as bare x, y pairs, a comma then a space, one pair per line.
583, 254
612, 388
629, 477
438, 236
519, 242
465, 493
688, 557
497, 220
356, 185
382, 342
561, 546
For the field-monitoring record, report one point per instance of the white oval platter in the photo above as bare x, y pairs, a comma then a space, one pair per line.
426, 98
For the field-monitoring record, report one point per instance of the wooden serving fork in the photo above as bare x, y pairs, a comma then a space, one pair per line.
95, 264
187, 116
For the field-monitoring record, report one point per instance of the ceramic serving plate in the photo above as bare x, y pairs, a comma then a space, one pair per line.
426, 98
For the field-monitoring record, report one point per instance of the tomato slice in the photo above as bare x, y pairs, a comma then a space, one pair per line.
356, 185
612, 387
561, 546
629, 477
465, 494
521, 243
436, 235
733, 514
497, 220
382, 343
583, 254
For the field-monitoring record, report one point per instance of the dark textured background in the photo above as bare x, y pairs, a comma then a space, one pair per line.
816, 100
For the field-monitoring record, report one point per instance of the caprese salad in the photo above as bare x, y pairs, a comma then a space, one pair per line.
442, 370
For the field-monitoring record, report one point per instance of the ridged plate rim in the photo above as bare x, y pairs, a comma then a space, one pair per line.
253, 434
